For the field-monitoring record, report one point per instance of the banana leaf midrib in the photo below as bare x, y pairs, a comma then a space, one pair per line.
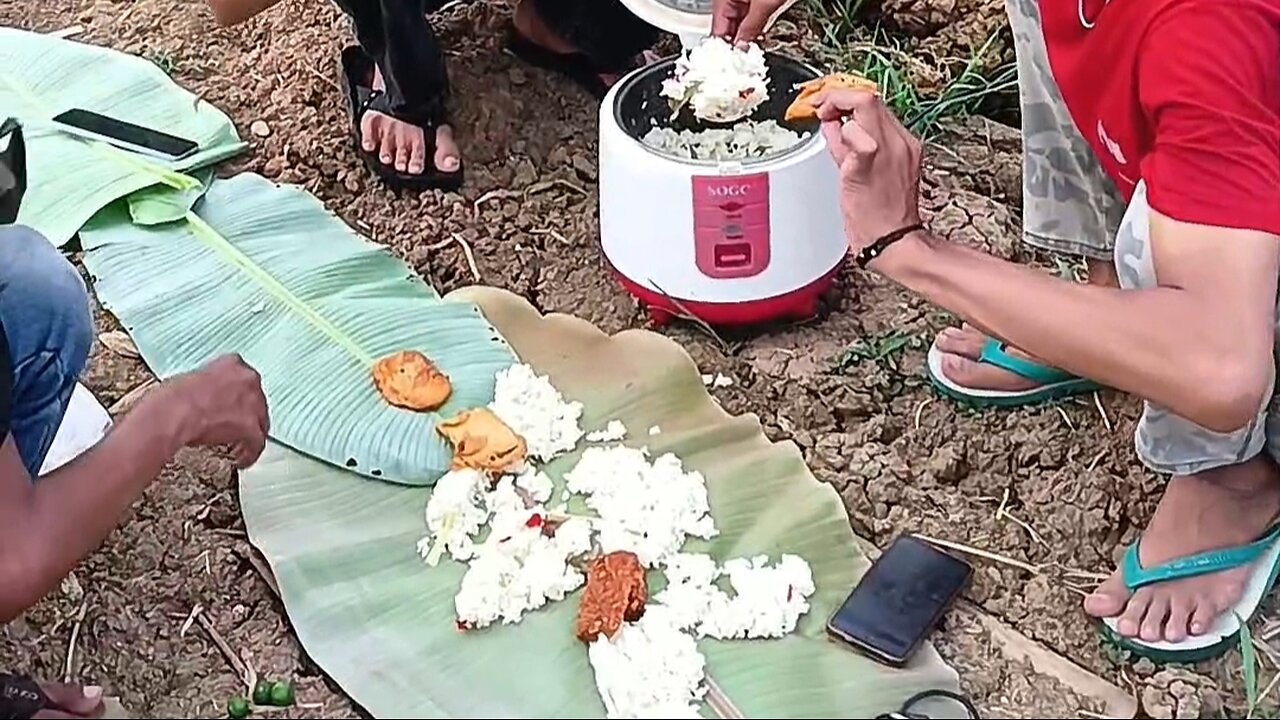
214, 240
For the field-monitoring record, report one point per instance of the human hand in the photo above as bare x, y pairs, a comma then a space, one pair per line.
742, 21
220, 404
879, 163
71, 701
22, 697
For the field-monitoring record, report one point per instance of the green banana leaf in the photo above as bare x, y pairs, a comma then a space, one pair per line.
380, 622
268, 272
161, 204
69, 178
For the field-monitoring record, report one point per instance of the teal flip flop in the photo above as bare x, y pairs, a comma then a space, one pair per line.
1263, 554
1053, 384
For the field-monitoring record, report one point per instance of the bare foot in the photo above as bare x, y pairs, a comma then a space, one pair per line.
961, 347
1212, 510
400, 144
531, 27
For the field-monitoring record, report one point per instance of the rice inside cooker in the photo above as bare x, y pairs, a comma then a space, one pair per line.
745, 140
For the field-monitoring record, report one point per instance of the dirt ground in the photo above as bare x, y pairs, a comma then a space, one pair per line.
846, 387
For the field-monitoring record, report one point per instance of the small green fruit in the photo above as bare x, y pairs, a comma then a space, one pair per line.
262, 693
237, 708
281, 694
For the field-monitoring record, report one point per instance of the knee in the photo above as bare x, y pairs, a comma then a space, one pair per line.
53, 299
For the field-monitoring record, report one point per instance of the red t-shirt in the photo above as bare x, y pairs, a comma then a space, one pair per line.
1183, 94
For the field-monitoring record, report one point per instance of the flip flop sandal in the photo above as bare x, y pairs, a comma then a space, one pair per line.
1263, 554
575, 66
1053, 384
357, 67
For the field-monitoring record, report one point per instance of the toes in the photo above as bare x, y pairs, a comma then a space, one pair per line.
1154, 621
1180, 609
387, 153
417, 156
958, 342
1109, 599
404, 146
1203, 616
446, 157
1135, 611
961, 370
369, 127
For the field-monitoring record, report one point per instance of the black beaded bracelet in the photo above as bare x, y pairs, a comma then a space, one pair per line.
873, 251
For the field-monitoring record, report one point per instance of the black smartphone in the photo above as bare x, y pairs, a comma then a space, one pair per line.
900, 600
125, 135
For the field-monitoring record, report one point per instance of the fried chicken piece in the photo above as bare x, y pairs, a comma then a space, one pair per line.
409, 380
481, 441
802, 108
616, 592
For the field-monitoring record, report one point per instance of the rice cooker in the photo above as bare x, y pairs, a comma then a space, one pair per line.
732, 243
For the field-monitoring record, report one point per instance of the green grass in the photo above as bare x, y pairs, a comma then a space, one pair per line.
885, 59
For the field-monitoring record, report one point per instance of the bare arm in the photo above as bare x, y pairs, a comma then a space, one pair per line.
1200, 344
234, 12
48, 526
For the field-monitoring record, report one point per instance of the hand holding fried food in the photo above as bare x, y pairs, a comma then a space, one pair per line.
409, 380
803, 109
481, 441
616, 592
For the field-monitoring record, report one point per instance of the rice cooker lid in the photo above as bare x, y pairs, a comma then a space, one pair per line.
679, 17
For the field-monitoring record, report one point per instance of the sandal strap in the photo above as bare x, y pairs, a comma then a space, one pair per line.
1205, 563
996, 353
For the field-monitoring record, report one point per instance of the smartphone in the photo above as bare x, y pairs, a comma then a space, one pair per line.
125, 135
900, 600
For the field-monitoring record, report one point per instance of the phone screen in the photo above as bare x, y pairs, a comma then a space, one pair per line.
126, 132
900, 599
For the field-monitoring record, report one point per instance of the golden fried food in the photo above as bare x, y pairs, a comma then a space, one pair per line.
616, 592
481, 441
409, 380
802, 108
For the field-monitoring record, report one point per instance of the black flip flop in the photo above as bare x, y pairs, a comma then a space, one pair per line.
357, 68
575, 66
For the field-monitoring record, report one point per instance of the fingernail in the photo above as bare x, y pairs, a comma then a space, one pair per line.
92, 692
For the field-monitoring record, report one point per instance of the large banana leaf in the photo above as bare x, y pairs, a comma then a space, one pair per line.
69, 178
381, 622
266, 271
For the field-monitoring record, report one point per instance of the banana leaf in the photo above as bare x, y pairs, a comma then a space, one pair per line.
268, 272
381, 623
71, 178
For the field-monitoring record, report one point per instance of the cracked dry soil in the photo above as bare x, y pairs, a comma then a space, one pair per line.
902, 459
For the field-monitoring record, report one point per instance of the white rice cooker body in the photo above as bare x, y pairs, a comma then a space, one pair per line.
718, 233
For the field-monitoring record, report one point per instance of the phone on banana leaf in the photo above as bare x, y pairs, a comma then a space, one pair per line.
899, 601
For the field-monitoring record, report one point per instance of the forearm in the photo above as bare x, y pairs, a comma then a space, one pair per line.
1161, 344
71, 511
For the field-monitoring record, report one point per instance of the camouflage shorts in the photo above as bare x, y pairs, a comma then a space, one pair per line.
1071, 207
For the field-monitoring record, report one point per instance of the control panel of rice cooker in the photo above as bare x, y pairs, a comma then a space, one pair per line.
731, 225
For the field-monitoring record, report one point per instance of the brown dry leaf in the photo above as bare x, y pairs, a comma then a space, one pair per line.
481, 441
131, 398
616, 592
802, 109
409, 380
120, 343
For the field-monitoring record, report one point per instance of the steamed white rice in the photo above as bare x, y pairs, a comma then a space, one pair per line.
718, 81
748, 139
